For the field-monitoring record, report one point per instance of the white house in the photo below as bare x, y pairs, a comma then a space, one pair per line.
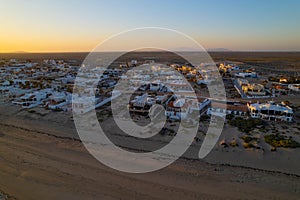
228, 68
133, 62
224, 108
254, 89
59, 99
294, 87
155, 86
246, 74
143, 101
31, 100
83, 104
271, 111
177, 109
199, 105
179, 86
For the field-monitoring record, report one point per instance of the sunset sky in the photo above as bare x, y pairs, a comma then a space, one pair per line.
74, 25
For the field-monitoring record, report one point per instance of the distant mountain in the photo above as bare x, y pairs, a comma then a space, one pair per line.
179, 49
199, 49
219, 49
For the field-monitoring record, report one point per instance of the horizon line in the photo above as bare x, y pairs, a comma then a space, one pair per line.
221, 51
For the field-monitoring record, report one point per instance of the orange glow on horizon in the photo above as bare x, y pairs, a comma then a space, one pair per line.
51, 45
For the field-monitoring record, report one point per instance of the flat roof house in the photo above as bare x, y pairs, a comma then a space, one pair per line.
271, 111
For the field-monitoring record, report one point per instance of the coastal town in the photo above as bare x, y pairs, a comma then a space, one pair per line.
254, 98
49, 85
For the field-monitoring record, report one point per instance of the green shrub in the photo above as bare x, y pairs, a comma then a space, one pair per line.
245, 125
229, 116
233, 143
277, 140
58, 109
248, 145
247, 138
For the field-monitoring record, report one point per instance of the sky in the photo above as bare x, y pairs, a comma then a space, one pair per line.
78, 25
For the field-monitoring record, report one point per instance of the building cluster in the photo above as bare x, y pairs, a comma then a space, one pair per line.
167, 86
249, 85
235, 71
50, 84
176, 106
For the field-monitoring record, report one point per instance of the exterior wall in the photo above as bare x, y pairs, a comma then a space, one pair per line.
283, 116
176, 113
221, 110
294, 87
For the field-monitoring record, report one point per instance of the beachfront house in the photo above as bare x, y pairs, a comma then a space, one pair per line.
271, 111
83, 104
221, 108
294, 87
31, 100
246, 75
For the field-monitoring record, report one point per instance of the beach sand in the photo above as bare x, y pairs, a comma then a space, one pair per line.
42, 158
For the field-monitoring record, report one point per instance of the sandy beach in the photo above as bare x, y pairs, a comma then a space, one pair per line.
42, 158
